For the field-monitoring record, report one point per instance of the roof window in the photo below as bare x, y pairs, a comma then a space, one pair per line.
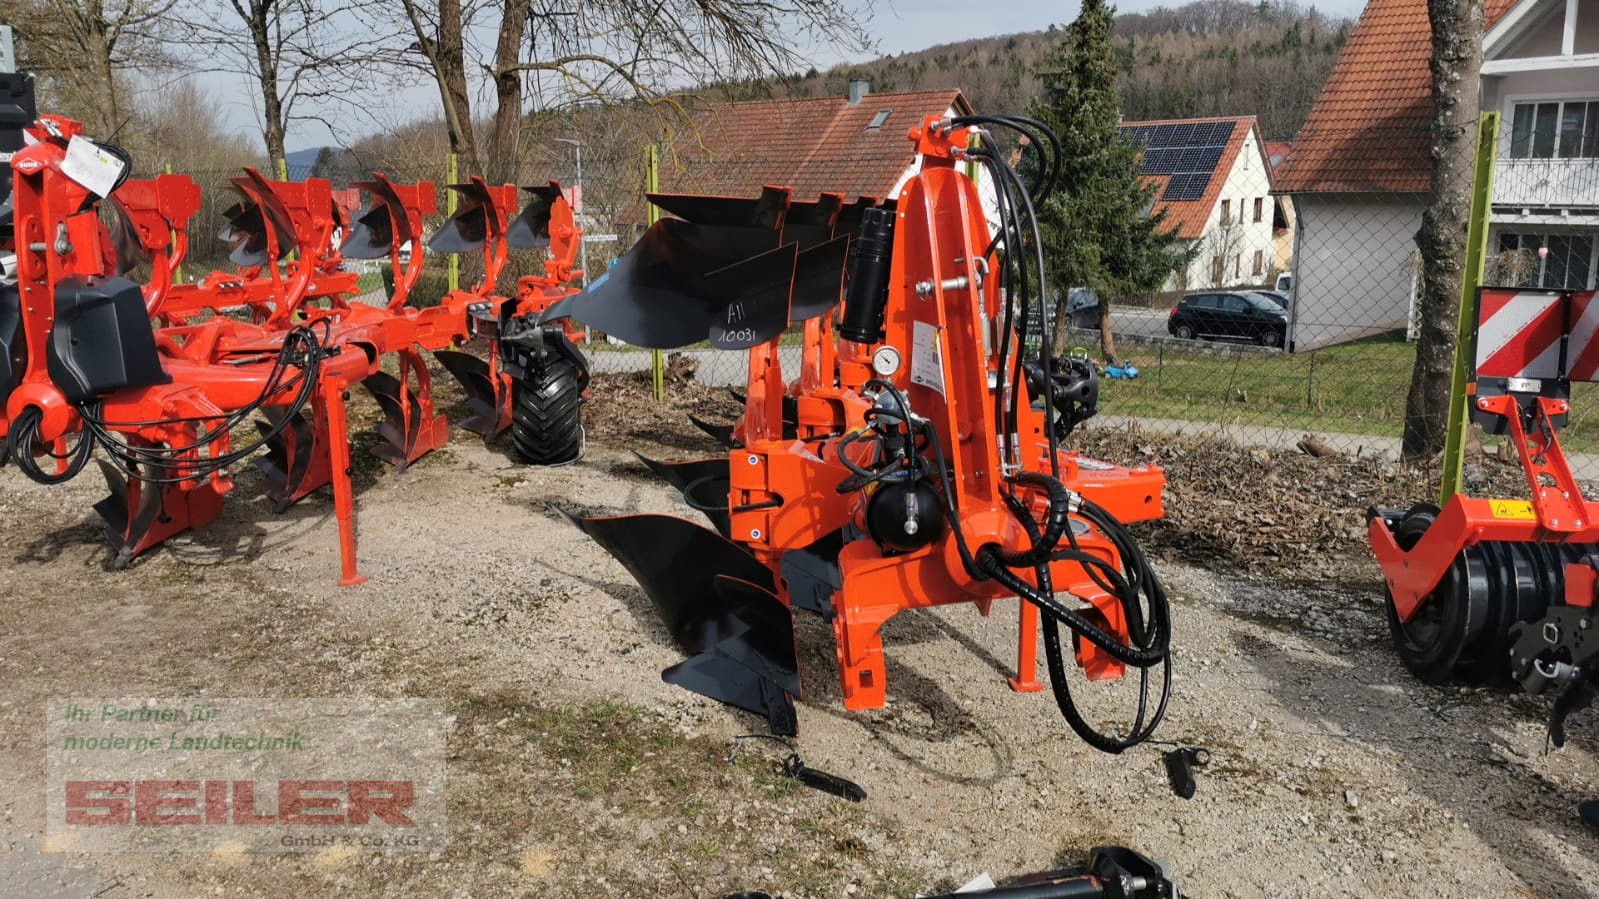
879, 119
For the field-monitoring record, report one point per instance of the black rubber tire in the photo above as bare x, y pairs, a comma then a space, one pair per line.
1183, 332
1271, 337
546, 415
1450, 621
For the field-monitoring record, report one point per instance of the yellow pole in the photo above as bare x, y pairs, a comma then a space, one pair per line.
652, 184
177, 273
282, 168
449, 208
1476, 259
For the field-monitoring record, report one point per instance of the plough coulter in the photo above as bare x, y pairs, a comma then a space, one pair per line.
160, 380
912, 461
1482, 588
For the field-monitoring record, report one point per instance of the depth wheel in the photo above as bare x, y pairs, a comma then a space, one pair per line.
1450, 619
546, 416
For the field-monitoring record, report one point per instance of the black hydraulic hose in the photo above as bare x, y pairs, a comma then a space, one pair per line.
1057, 523
985, 565
1139, 657
1059, 682
23, 437
301, 346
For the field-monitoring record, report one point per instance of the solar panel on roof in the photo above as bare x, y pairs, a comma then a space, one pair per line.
1187, 186
1162, 136
1159, 162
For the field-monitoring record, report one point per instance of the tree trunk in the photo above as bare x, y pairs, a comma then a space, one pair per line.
1107, 340
97, 44
449, 67
1058, 324
504, 152
272, 125
1456, 65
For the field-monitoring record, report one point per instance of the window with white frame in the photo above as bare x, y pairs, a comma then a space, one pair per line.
1555, 129
1523, 262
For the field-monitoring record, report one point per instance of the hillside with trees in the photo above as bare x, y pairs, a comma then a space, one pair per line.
1211, 57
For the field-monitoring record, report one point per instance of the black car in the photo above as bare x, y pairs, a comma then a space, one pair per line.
1237, 315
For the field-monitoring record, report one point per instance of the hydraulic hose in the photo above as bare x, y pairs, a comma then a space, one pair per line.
1058, 520
23, 437
1059, 682
985, 564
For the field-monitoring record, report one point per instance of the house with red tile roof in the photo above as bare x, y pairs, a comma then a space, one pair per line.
1359, 170
1212, 181
851, 145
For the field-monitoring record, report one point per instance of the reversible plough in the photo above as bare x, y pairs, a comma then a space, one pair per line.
1481, 587
161, 379
912, 461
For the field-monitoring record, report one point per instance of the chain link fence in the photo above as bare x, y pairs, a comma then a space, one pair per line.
1295, 316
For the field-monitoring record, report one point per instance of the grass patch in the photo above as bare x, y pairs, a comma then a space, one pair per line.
1351, 388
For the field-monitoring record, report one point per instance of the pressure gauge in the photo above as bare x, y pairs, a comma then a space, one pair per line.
886, 361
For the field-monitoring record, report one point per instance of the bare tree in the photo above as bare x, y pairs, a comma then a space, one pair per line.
83, 50
608, 51
299, 54
1224, 244
440, 32
1456, 65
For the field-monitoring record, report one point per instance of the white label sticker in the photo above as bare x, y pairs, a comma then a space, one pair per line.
1523, 385
91, 166
927, 364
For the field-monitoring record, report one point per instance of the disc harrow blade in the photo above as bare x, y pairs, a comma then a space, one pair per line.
720, 605
402, 419
472, 373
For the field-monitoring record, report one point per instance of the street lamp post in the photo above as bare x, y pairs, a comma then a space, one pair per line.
577, 212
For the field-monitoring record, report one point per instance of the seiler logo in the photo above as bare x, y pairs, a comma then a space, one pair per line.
233, 802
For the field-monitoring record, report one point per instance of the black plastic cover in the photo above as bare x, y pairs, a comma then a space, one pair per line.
17, 111
102, 339
10, 339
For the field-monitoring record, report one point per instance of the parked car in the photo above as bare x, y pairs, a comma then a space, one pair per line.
1281, 299
1285, 283
1237, 315
1082, 305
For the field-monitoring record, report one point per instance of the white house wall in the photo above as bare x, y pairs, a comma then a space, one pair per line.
1248, 180
1353, 270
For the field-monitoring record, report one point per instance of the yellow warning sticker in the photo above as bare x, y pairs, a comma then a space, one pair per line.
1518, 509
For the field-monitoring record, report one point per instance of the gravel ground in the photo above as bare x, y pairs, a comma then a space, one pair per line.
574, 771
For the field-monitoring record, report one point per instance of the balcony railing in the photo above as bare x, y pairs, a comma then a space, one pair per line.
1547, 183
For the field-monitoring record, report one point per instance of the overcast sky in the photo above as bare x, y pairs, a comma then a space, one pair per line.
898, 27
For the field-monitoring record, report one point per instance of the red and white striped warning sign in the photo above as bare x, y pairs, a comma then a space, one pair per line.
1582, 350
1518, 334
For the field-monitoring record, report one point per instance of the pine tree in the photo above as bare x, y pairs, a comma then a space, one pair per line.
1095, 228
